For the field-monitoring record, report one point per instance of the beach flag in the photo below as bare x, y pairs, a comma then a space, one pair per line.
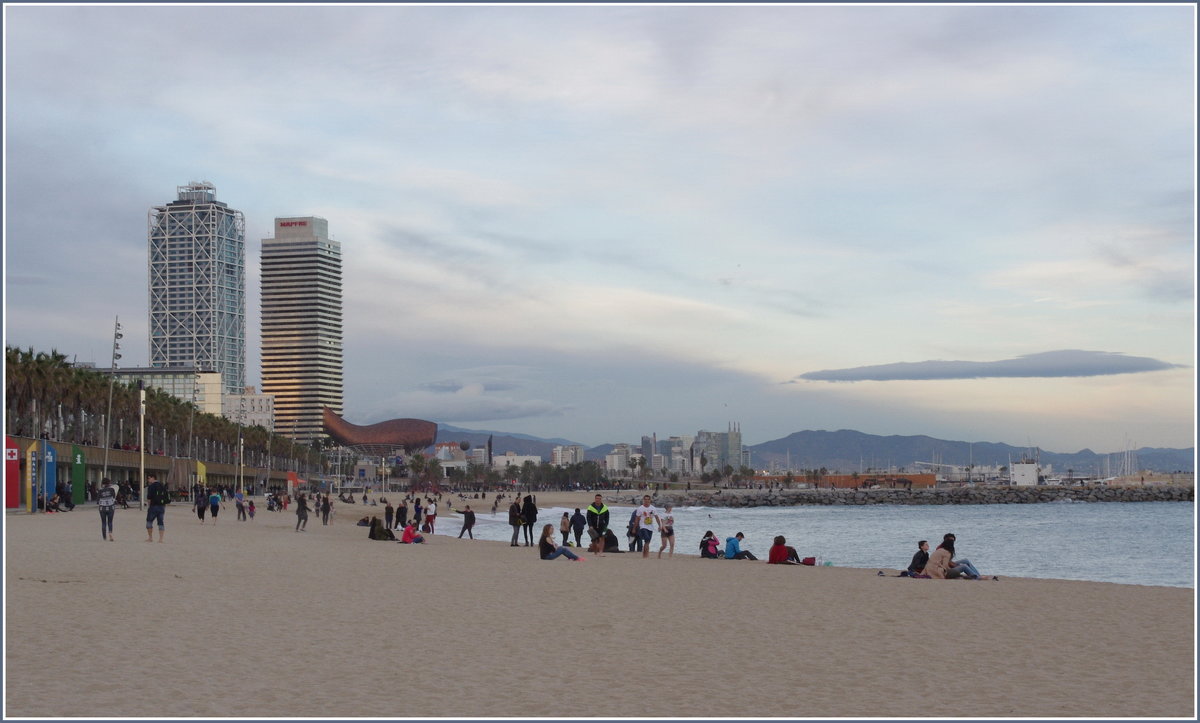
49, 469
31, 476
78, 476
12, 473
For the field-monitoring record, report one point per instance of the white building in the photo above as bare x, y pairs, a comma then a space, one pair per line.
250, 409
511, 459
200, 388
1023, 474
564, 456
617, 461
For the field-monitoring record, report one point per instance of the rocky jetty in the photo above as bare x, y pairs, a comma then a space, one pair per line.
934, 496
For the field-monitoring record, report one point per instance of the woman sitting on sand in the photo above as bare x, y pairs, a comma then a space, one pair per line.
550, 549
942, 566
410, 534
959, 568
781, 554
379, 531
710, 546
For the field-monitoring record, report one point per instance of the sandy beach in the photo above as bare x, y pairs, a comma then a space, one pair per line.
253, 619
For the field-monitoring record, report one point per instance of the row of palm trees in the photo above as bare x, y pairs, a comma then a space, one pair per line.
47, 396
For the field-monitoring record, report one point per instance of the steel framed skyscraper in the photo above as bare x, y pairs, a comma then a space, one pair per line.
302, 325
197, 285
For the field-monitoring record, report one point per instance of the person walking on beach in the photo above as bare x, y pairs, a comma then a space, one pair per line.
401, 514
548, 550
214, 504
201, 503
301, 513
578, 523
326, 508
564, 526
107, 501
430, 513
468, 523
514, 519
645, 524
158, 497
529, 512
389, 514
250, 509
668, 531
241, 507
417, 512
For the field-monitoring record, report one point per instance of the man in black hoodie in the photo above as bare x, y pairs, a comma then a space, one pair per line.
578, 522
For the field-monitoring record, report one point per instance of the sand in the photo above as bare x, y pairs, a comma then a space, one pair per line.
252, 619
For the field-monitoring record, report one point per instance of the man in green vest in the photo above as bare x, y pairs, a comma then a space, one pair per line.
597, 521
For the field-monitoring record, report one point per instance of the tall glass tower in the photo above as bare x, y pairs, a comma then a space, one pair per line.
198, 285
302, 324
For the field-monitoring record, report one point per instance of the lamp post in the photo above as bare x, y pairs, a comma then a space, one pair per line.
112, 377
141, 445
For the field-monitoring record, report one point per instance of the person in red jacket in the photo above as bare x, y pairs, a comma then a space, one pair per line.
781, 554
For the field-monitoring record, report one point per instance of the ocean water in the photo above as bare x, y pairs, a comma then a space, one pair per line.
1138, 543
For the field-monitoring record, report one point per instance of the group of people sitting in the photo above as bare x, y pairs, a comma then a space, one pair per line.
379, 531
941, 565
710, 547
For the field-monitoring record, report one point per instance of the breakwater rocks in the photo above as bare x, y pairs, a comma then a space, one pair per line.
935, 496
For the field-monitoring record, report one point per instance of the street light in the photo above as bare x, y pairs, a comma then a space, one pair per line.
112, 377
141, 444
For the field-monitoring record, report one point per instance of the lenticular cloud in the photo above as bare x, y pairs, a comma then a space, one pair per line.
1065, 363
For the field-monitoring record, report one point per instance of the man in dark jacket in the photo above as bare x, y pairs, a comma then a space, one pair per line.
597, 518
578, 522
468, 516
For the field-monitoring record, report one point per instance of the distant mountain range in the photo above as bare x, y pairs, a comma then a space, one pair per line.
849, 451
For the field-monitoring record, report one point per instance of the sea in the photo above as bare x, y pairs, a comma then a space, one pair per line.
1133, 543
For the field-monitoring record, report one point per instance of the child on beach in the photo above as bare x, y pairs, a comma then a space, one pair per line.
250, 509
410, 535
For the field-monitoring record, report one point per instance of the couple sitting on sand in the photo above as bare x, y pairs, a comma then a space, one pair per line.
941, 565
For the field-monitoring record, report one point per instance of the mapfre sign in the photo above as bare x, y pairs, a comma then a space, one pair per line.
293, 223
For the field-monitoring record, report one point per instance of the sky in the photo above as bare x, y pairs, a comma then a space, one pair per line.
596, 223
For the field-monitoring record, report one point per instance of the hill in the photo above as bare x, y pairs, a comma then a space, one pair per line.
849, 451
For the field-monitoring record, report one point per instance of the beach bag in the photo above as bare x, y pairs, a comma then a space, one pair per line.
425, 527
809, 561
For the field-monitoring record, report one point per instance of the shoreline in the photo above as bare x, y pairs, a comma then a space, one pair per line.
254, 619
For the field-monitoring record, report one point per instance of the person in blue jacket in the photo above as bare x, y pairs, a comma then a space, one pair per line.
734, 551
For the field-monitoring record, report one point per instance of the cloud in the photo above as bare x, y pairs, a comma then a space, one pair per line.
1064, 363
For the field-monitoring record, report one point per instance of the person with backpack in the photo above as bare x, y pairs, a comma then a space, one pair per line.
158, 497
107, 501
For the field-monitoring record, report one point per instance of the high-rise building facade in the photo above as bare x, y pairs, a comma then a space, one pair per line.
302, 324
197, 285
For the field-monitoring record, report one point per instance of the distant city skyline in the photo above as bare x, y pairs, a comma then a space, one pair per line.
595, 223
